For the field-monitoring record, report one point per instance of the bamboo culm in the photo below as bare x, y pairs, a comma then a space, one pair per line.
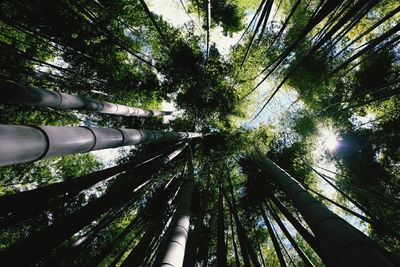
347, 245
17, 93
30, 143
172, 250
55, 234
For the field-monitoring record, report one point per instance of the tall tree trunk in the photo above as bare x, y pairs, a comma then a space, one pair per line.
30, 143
368, 192
194, 237
347, 245
17, 93
208, 21
221, 245
264, 16
251, 21
309, 238
326, 37
356, 18
370, 45
245, 244
327, 8
354, 202
122, 252
153, 217
260, 250
378, 23
30, 201
193, 243
235, 248
278, 250
283, 246
158, 209
67, 256
242, 244
375, 223
205, 246
155, 24
142, 249
299, 251
91, 18
114, 243
173, 250
55, 234
361, 6
286, 22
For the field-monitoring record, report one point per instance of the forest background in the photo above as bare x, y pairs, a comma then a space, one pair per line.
318, 89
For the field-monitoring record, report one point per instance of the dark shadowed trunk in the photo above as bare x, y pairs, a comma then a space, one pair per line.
260, 250
235, 248
192, 248
245, 244
293, 242
277, 248
58, 232
155, 24
305, 234
347, 245
28, 202
221, 245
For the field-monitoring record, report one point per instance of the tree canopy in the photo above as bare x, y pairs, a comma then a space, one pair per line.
254, 87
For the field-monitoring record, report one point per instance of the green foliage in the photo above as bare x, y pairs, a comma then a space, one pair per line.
228, 14
292, 159
77, 165
115, 49
203, 87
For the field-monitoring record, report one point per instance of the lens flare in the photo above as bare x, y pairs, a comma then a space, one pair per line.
331, 143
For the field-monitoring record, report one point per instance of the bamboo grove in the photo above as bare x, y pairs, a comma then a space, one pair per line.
128, 138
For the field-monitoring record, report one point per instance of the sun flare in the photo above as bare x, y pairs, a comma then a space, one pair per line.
329, 140
331, 143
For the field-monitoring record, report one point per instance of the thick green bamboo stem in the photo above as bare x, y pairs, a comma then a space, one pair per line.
37, 198
12, 92
376, 223
305, 234
31, 143
173, 250
192, 247
260, 188
53, 235
160, 214
347, 245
